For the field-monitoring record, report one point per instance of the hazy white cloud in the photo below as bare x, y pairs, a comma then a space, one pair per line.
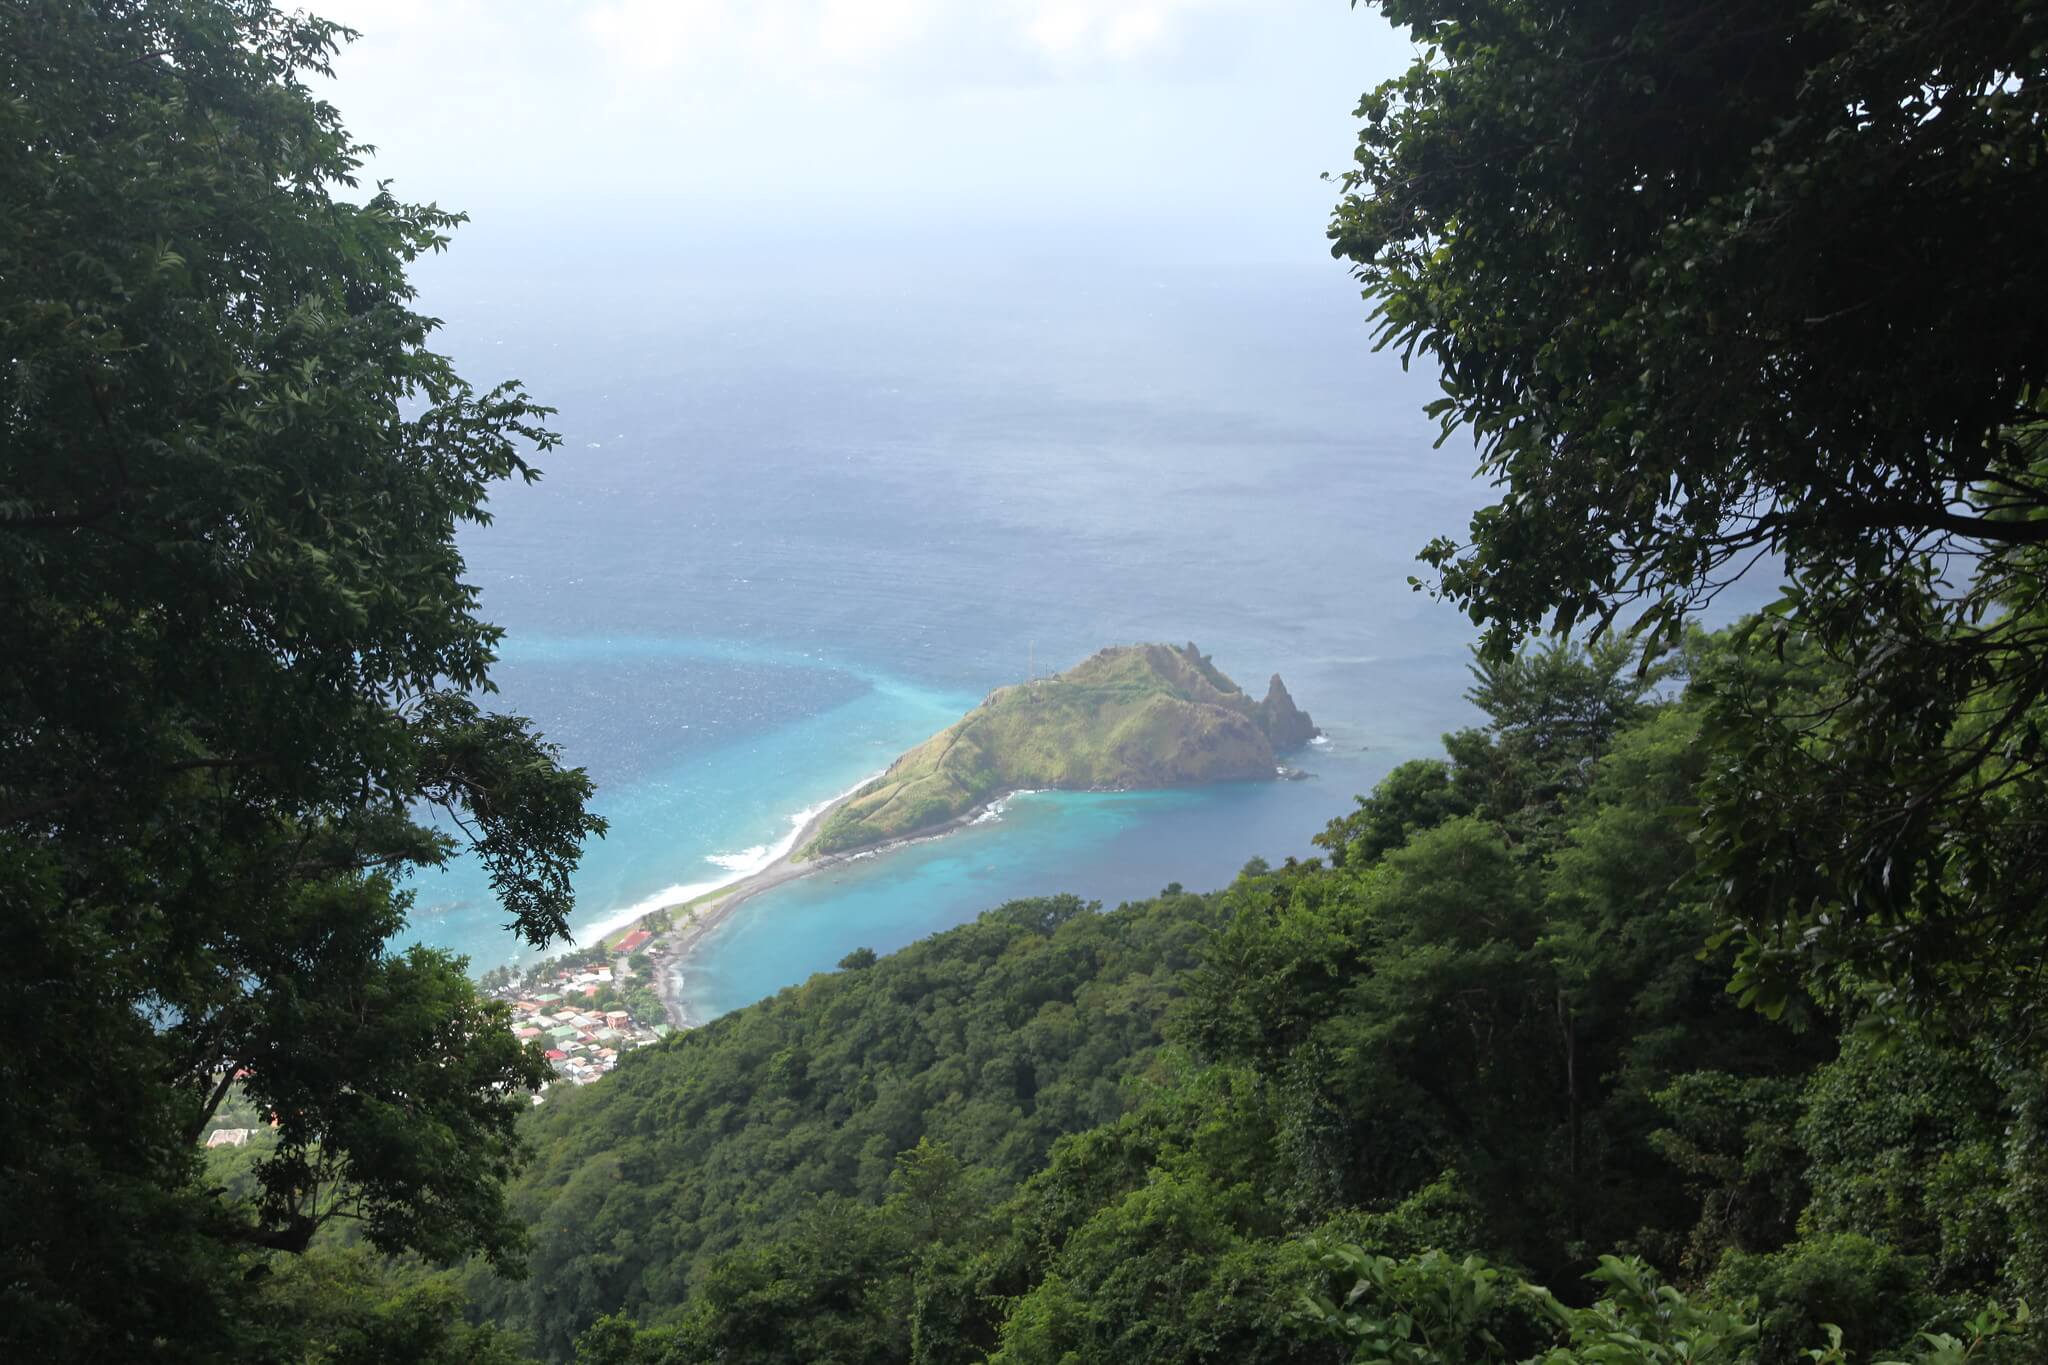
480, 24
768, 38
1113, 29
654, 35
854, 30
796, 38
1204, 113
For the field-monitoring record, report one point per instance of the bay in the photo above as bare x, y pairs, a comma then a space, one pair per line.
800, 521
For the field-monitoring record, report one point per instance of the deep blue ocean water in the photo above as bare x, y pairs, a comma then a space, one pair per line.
803, 519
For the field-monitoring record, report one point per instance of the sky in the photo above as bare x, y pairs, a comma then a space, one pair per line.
1188, 131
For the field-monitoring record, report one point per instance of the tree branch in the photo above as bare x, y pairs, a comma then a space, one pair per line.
220, 1092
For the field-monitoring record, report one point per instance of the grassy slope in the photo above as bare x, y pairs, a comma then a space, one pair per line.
1131, 716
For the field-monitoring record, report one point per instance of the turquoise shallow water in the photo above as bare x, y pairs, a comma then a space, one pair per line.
797, 524
693, 803
702, 802
1107, 847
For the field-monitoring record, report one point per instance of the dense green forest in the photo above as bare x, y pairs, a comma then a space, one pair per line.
1690, 1010
1484, 1023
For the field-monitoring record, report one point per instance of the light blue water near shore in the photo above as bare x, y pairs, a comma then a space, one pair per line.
1108, 847
730, 749
800, 521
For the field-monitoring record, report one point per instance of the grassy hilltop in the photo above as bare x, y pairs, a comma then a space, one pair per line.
1131, 716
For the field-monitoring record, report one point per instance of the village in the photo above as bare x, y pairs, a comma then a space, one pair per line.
586, 1010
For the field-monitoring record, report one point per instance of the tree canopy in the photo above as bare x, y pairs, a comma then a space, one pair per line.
1707, 282
1474, 1094
1720, 286
1711, 279
241, 666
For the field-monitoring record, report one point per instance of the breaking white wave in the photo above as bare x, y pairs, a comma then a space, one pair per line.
615, 920
746, 861
1000, 805
734, 867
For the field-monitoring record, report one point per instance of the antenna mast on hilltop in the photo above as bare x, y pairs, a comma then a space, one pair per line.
1030, 660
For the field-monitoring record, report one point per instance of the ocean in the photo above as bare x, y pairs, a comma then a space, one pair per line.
802, 519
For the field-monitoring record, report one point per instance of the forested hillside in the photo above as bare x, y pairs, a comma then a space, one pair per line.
1485, 1023
992, 1040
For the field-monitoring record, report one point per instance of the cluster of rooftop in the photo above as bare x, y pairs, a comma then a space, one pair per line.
581, 1015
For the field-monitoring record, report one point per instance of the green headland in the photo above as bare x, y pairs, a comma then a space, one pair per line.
1132, 716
